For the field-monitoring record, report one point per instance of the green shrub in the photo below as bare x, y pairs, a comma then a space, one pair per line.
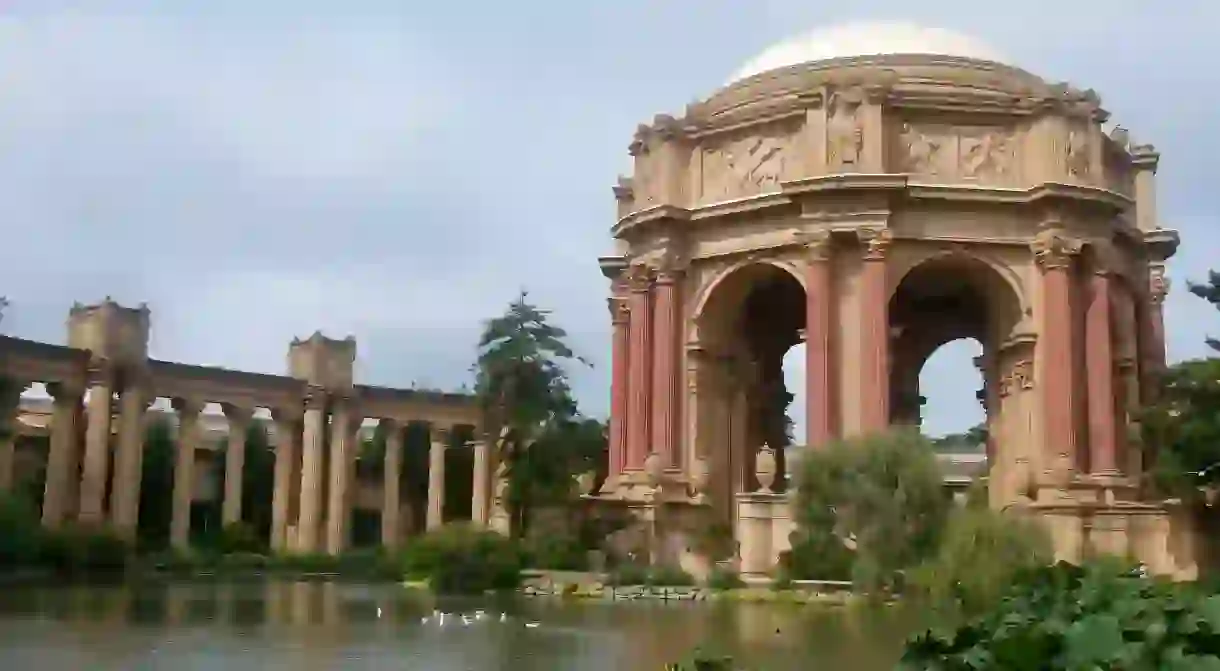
980, 553
76, 550
239, 537
724, 579
21, 535
243, 561
1068, 617
669, 576
627, 574
306, 562
557, 553
702, 661
461, 559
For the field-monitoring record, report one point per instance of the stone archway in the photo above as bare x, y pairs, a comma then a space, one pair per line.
750, 318
957, 296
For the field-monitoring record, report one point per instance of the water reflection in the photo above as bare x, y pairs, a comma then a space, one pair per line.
331, 625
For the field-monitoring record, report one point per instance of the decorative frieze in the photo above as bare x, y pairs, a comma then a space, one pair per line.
942, 152
1019, 378
1053, 249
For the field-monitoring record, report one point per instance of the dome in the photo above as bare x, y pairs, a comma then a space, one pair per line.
866, 39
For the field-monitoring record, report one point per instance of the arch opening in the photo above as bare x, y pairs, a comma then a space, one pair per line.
749, 327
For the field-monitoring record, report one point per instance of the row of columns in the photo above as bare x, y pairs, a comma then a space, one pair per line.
302, 472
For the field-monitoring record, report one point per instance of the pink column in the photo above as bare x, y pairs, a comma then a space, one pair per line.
1054, 255
818, 402
639, 378
665, 368
1158, 287
874, 336
1099, 361
620, 369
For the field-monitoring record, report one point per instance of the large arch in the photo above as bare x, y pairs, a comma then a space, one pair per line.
747, 321
957, 296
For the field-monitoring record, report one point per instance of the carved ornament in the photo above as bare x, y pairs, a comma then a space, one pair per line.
876, 242
844, 131
1158, 283
640, 277
818, 244
984, 153
1077, 155
1019, 378
101, 371
237, 414
765, 467
619, 312
66, 390
315, 397
286, 415
188, 407
746, 165
1052, 249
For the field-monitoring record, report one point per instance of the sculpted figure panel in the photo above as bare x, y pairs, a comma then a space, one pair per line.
982, 154
844, 131
747, 164
1076, 153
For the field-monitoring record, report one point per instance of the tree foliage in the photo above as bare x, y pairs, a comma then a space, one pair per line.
1181, 428
522, 385
881, 497
1076, 619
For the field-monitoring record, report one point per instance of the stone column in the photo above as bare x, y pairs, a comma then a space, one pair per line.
639, 378
391, 499
819, 406
10, 403
619, 404
63, 458
235, 461
482, 483
287, 429
1054, 253
665, 368
129, 460
184, 472
436, 477
342, 452
874, 333
312, 438
1099, 361
96, 465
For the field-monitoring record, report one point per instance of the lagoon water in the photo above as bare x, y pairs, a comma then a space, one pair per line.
270, 625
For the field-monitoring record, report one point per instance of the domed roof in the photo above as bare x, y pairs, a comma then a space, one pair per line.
867, 38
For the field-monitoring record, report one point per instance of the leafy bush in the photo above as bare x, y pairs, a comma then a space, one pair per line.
1068, 617
461, 559
557, 553
239, 537
669, 576
21, 536
626, 574
981, 552
75, 550
306, 562
723, 579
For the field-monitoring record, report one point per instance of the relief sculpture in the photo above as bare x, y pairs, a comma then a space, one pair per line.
966, 154
745, 166
1076, 154
844, 132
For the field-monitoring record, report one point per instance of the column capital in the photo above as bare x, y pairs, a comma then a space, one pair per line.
286, 415
619, 311
439, 433
1053, 249
314, 397
188, 407
640, 278
818, 244
237, 413
66, 390
100, 371
390, 424
1158, 283
876, 242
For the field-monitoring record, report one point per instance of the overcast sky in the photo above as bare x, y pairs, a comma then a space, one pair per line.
256, 170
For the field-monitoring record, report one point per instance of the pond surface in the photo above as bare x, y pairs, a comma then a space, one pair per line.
267, 625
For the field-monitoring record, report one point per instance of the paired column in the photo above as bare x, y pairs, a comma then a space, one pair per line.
235, 461
184, 472
1054, 253
10, 402
63, 457
313, 437
481, 483
818, 380
391, 501
436, 477
620, 370
639, 379
1099, 361
874, 333
342, 452
665, 367
96, 465
129, 461
287, 431
1158, 288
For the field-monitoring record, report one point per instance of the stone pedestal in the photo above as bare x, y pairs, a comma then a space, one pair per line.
764, 524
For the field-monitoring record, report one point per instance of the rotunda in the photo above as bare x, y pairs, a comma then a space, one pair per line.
875, 191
